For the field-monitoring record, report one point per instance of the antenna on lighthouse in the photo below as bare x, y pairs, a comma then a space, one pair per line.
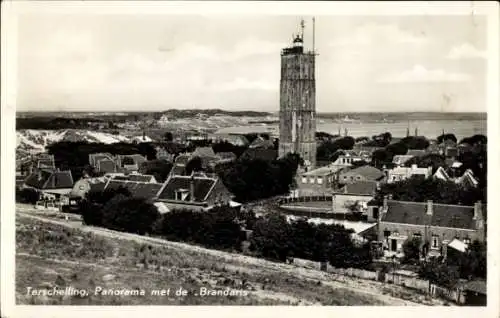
314, 34
302, 26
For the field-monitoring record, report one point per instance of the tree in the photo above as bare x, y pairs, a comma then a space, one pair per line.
327, 149
168, 136
270, 237
472, 263
398, 148
475, 139
444, 137
27, 195
193, 165
438, 273
411, 250
160, 169
133, 215
413, 142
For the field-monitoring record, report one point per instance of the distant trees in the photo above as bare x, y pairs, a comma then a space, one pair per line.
270, 237
327, 149
415, 142
160, 169
439, 273
224, 146
381, 140
444, 137
475, 139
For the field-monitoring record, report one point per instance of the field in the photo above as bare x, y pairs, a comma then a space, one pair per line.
52, 252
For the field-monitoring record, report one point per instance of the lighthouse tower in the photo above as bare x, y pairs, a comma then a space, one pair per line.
297, 128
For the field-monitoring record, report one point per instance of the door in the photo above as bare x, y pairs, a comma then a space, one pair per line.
394, 245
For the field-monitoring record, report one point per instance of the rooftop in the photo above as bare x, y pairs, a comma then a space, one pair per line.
144, 190
368, 172
359, 188
202, 187
443, 215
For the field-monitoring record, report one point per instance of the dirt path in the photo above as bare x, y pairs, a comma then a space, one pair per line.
239, 261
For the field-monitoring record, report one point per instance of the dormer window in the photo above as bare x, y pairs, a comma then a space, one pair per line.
181, 194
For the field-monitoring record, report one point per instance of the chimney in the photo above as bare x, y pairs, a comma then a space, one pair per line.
478, 207
378, 187
414, 167
385, 205
429, 207
191, 188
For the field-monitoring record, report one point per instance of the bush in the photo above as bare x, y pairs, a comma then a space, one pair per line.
27, 195
217, 228
133, 215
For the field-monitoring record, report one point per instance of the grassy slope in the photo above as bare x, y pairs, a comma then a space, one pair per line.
48, 254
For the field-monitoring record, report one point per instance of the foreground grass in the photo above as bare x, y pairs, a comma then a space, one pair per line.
51, 254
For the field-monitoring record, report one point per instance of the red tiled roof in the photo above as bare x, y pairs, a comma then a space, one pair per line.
443, 215
144, 190
360, 188
202, 187
44, 180
369, 172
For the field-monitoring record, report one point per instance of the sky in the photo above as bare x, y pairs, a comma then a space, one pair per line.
89, 62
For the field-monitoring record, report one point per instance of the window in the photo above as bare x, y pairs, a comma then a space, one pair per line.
311, 180
435, 241
467, 241
387, 233
417, 236
304, 179
375, 212
320, 180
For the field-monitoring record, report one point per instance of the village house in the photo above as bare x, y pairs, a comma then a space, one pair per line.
400, 160
197, 192
51, 184
131, 162
354, 197
39, 161
348, 158
163, 154
467, 179
319, 181
261, 142
363, 173
435, 224
179, 167
104, 162
234, 139
402, 173
225, 157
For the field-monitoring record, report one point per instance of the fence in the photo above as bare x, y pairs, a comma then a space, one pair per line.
407, 281
455, 295
312, 198
353, 272
421, 285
